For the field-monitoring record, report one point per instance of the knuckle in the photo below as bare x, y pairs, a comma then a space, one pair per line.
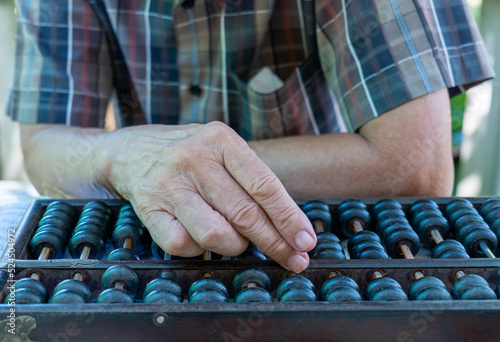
177, 244
211, 237
245, 214
287, 218
265, 186
274, 248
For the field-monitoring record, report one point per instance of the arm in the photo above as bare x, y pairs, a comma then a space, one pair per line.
195, 187
404, 152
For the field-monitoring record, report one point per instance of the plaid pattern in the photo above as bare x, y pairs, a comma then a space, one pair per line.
343, 62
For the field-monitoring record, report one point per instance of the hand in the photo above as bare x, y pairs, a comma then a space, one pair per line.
200, 187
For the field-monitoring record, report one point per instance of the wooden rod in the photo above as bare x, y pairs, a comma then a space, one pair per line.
418, 275
486, 250
78, 276
318, 226
436, 236
44, 254
128, 243
376, 275
459, 274
251, 284
406, 252
35, 276
119, 285
207, 255
85, 253
357, 226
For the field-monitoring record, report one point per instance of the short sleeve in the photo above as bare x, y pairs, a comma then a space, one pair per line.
62, 72
377, 55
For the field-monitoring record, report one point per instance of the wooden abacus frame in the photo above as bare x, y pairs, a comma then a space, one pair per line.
375, 321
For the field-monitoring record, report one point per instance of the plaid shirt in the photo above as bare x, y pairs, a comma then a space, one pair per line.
343, 62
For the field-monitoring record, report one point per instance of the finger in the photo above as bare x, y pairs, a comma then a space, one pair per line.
257, 179
248, 218
171, 235
208, 227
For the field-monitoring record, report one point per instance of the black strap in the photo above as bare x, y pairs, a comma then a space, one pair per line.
128, 101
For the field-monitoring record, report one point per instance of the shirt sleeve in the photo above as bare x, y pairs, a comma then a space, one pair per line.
377, 55
62, 72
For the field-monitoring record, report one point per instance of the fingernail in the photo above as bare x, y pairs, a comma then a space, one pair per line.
304, 241
297, 263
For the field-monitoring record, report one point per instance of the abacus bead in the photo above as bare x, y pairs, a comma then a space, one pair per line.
76, 287
123, 274
156, 250
475, 233
57, 222
472, 287
28, 296
122, 254
163, 284
30, 291
328, 246
129, 219
455, 205
497, 291
385, 204
115, 296
455, 216
296, 288
98, 220
253, 295
161, 297
252, 253
449, 249
340, 289
316, 210
96, 206
251, 275
208, 290
399, 235
489, 204
429, 224
387, 222
64, 207
390, 213
492, 215
49, 239
86, 238
349, 212
422, 205
385, 289
366, 245
428, 288
67, 297
129, 231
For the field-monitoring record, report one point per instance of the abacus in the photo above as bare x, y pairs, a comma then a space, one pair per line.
403, 269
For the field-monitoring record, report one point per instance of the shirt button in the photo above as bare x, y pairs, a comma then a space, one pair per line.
188, 4
196, 90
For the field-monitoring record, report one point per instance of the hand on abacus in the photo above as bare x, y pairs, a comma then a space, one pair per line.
200, 187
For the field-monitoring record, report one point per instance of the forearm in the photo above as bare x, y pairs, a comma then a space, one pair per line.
405, 152
62, 161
